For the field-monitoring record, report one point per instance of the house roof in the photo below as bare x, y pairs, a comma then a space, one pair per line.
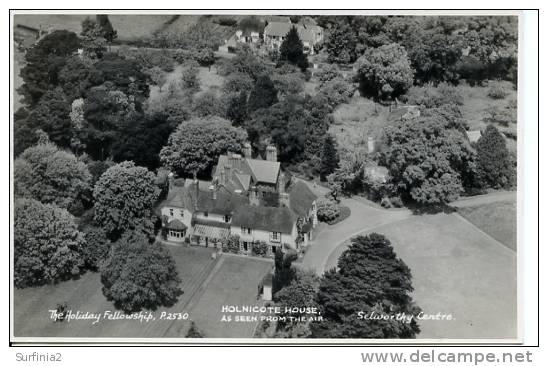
473, 136
301, 198
279, 219
203, 200
211, 231
263, 170
277, 28
176, 225
244, 169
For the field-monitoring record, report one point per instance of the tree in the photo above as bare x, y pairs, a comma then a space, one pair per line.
107, 30
124, 196
284, 273
236, 109
237, 82
263, 94
341, 44
196, 145
194, 332
93, 41
158, 76
50, 115
95, 248
189, 79
299, 293
385, 72
139, 275
50, 175
43, 63
47, 244
292, 50
208, 104
427, 159
370, 278
494, 167
330, 160
205, 57
74, 77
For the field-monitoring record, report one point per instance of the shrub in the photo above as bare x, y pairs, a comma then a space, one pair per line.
501, 116
259, 249
231, 244
328, 211
385, 202
497, 91
433, 97
227, 22
396, 201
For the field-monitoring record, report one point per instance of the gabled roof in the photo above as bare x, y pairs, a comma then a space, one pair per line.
224, 203
473, 136
277, 29
278, 219
301, 198
263, 170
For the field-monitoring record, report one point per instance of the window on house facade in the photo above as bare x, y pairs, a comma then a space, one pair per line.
227, 218
206, 214
182, 213
246, 230
273, 248
275, 237
244, 246
170, 212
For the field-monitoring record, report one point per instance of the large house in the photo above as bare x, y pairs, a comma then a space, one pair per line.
310, 35
246, 197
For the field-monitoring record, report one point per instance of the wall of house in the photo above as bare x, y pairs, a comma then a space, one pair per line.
180, 214
210, 216
263, 235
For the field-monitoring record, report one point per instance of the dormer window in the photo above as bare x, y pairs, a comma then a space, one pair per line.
206, 214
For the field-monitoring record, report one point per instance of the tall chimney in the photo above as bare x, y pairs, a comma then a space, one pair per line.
253, 196
197, 187
247, 150
281, 183
283, 198
271, 153
227, 168
370, 144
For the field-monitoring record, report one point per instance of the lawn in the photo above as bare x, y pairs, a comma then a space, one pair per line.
456, 270
31, 305
235, 283
497, 219
208, 284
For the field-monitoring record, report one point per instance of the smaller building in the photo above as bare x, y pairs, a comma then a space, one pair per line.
473, 136
310, 35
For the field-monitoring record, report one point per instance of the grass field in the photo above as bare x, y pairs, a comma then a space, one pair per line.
456, 270
497, 219
207, 284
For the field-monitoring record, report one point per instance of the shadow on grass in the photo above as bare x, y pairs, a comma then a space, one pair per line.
417, 209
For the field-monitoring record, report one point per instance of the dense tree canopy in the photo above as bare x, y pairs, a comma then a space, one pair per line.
47, 244
263, 94
139, 275
385, 72
196, 145
43, 63
427, 159
124, 196
341, 44
370, 278
50, 175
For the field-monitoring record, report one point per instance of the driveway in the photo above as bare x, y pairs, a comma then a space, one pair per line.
457, 269
363, 217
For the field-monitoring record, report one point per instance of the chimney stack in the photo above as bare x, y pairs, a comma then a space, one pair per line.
253, 196
370, 145
271, 153
247, 150
283, 199
197, 187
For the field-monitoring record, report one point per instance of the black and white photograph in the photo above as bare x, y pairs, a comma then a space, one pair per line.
265, 177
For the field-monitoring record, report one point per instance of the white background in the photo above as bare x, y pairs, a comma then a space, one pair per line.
313, 355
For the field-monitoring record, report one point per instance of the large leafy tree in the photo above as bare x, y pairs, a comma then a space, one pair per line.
263, 94
50, 175
139, 275
43, 63
370, 278
341, 44
51, 115
428, 159
124, 196
292, 50
385, 72
47, 244
107, 30
494, 167
196, 145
